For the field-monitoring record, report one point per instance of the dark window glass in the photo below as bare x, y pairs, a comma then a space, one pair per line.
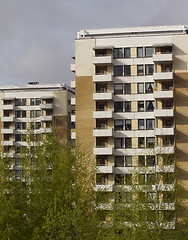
150, 160
126, 52
141, 179
140, 106
17, 114
168, 123
127, 124
128, 143
168, 178
150, 142
32, 101
141, 161
127, 70
150, 124
17, 125
141, 124
148, 51
128, 161
149, 106
17, 137
118, 106
38, 101
119, 161
118, 124
127, 106
141, 142
149, 68
100, 178
119, 142
23, 101
128, 179
151, 179
140, 87
23, 125
118, 52
32, 113
18, 102
169, 215
38, 125
119, 179
168, 105
23, 113
140, 70
118, 71
149, 87
38, 113
118, 88
140, 52
127, 88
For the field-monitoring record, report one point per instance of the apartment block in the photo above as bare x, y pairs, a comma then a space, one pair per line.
33, 106
131, 87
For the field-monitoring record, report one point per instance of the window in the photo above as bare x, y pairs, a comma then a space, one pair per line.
140, 87
32, 101
128, 161
167, 69
119, 179
128, 179
32, 113
149, 68
149, 106
168, 123
168, 178
17, 125
23, 125
150, 124
127, 124
100, 161
100, 178
151, 179
101, 125
148, 51
141, 124
141, 142
17, 137
118, 71
140, 106
168, 197
127, 106
150, 160
168, 105
150, 142
100, 89
118, 88
38, 113
151, 197
118, 52
118, 124
127, 70
128, 143
141, 179
38, 125
38, 101
127, 53
149, 87
141, 161
140, 52
119, 161
101, 106
119, 142
118, 106
18, 102
23, 113
17, 114
127, 88
169, 215
140, 70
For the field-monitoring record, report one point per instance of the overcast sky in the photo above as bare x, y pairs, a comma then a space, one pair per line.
37, 36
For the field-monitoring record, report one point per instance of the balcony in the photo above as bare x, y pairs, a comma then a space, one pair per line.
103, 151
105, 169
73, 67
164, 150
103, 132
163, 75
164, 131
164, 94
45, 118
102, 96
73, 134
102, 114
73, 84
73, 100
73, 118
7, 119
45, 130
8, 107
102, 78
7, 143
165, 112
46, 106
7, 130
100, 60
106, 188
162, 58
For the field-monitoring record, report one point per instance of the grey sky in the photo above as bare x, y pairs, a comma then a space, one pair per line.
37, 36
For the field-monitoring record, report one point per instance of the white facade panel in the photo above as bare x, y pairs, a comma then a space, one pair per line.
103, 132
102, 78
164, 112
164, 94
105, 169
164, 131
103, 96
102, 60
162, 57
163, 75
102, 114
103, 151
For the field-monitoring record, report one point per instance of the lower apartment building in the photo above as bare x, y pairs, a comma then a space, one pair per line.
33, 106
131, 87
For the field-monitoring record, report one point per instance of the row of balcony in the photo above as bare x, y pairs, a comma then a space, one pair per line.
134, 151
41, 118
108, 59
42, 106
107, 114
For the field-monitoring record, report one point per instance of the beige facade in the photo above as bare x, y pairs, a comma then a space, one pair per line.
131, 103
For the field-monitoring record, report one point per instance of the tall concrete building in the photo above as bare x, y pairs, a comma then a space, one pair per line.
131, 105
33, 106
